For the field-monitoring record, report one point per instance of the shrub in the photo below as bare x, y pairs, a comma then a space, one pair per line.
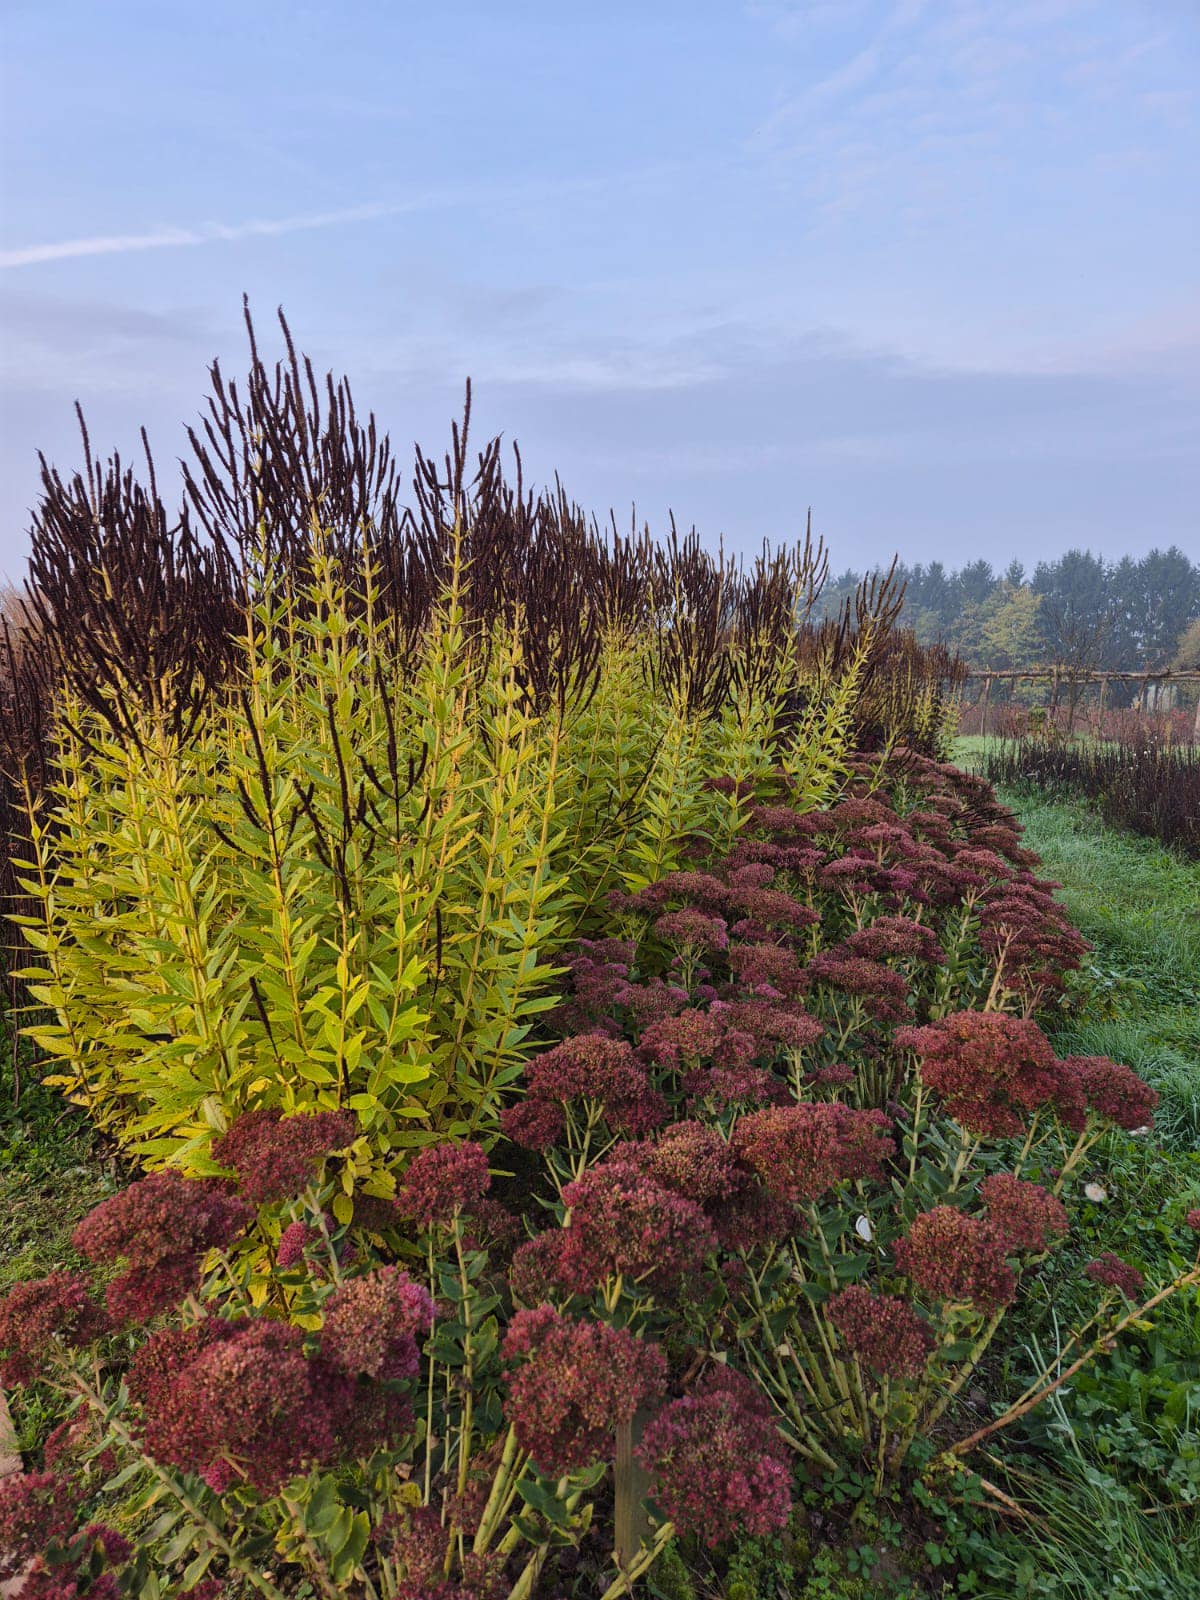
1147, 785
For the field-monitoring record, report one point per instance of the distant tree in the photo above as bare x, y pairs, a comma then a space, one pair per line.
966, 633
1187, 655
938, 594
1170, 594
1187, 659
976, 581
1011, 627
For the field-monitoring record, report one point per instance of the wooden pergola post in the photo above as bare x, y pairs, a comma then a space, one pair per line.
983, 705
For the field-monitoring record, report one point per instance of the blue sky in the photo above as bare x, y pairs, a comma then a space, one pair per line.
929, 266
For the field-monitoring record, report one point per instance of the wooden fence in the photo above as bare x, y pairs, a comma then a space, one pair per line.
1075, 680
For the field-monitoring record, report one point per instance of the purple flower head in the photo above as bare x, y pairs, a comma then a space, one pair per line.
1113, 1273
161, 1228
990, 1070
691, 1160
883, 1331
1025, 1215
277, 1157
442, 1181
587, 1068
37, 1316
624, 1224
767, 966
372, 1324
236, 1399
799, 1152
36, 1509
576, 1381
687, 1038
692, 930
1113, 1091
958, 1258
295, 1239
717, 1465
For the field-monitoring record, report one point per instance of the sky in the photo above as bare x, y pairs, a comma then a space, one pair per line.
931, 267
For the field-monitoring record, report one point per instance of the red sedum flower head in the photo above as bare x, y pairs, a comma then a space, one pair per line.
372, 1324
36, 1509
1025, 1215
37, 1315
717, 1464
277, 1157
951, 1256
690, 1159
692, 930
161, 1227
991, 1071
624, 1224
589, 1067
799, 1152
682, 1040
442, 1181
883, 1331
1113, 1091
234, 1400
576, 1381
295, 1239
1113, 1273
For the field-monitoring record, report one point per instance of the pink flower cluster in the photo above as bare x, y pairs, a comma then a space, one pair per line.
240, 1401
36, 1509
1111, 1272
883, 991
161, 1228
799, 1152
991, 1071
277, 1157
587, 1068
575, 1382
1026, 1216
38, 1316
883, 1331
692, 1160
692, 931
1113, 1091
717, 1464
442, 1181
372, 1323
951, 1256
624, 1224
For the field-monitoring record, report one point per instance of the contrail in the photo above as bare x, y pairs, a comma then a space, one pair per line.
208, 233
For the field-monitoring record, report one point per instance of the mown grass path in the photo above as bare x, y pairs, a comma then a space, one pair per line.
1139, 905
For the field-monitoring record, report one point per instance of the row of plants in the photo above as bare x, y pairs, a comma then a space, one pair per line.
743, 1257
1109, 1474
1147, 786
434, 735
1126, 725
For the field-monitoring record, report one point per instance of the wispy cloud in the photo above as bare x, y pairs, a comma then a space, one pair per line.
207, 233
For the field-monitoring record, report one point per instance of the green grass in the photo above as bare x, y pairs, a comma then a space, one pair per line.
1139, 906
52, 1172
1110, 1476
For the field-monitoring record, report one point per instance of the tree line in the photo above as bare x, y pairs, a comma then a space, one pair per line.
1080, 611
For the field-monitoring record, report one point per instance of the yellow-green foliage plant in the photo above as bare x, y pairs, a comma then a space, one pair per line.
331, 786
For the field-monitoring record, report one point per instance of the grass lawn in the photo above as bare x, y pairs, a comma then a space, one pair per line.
1139, 905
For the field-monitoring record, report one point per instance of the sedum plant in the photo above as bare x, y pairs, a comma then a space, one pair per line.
760, 1212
